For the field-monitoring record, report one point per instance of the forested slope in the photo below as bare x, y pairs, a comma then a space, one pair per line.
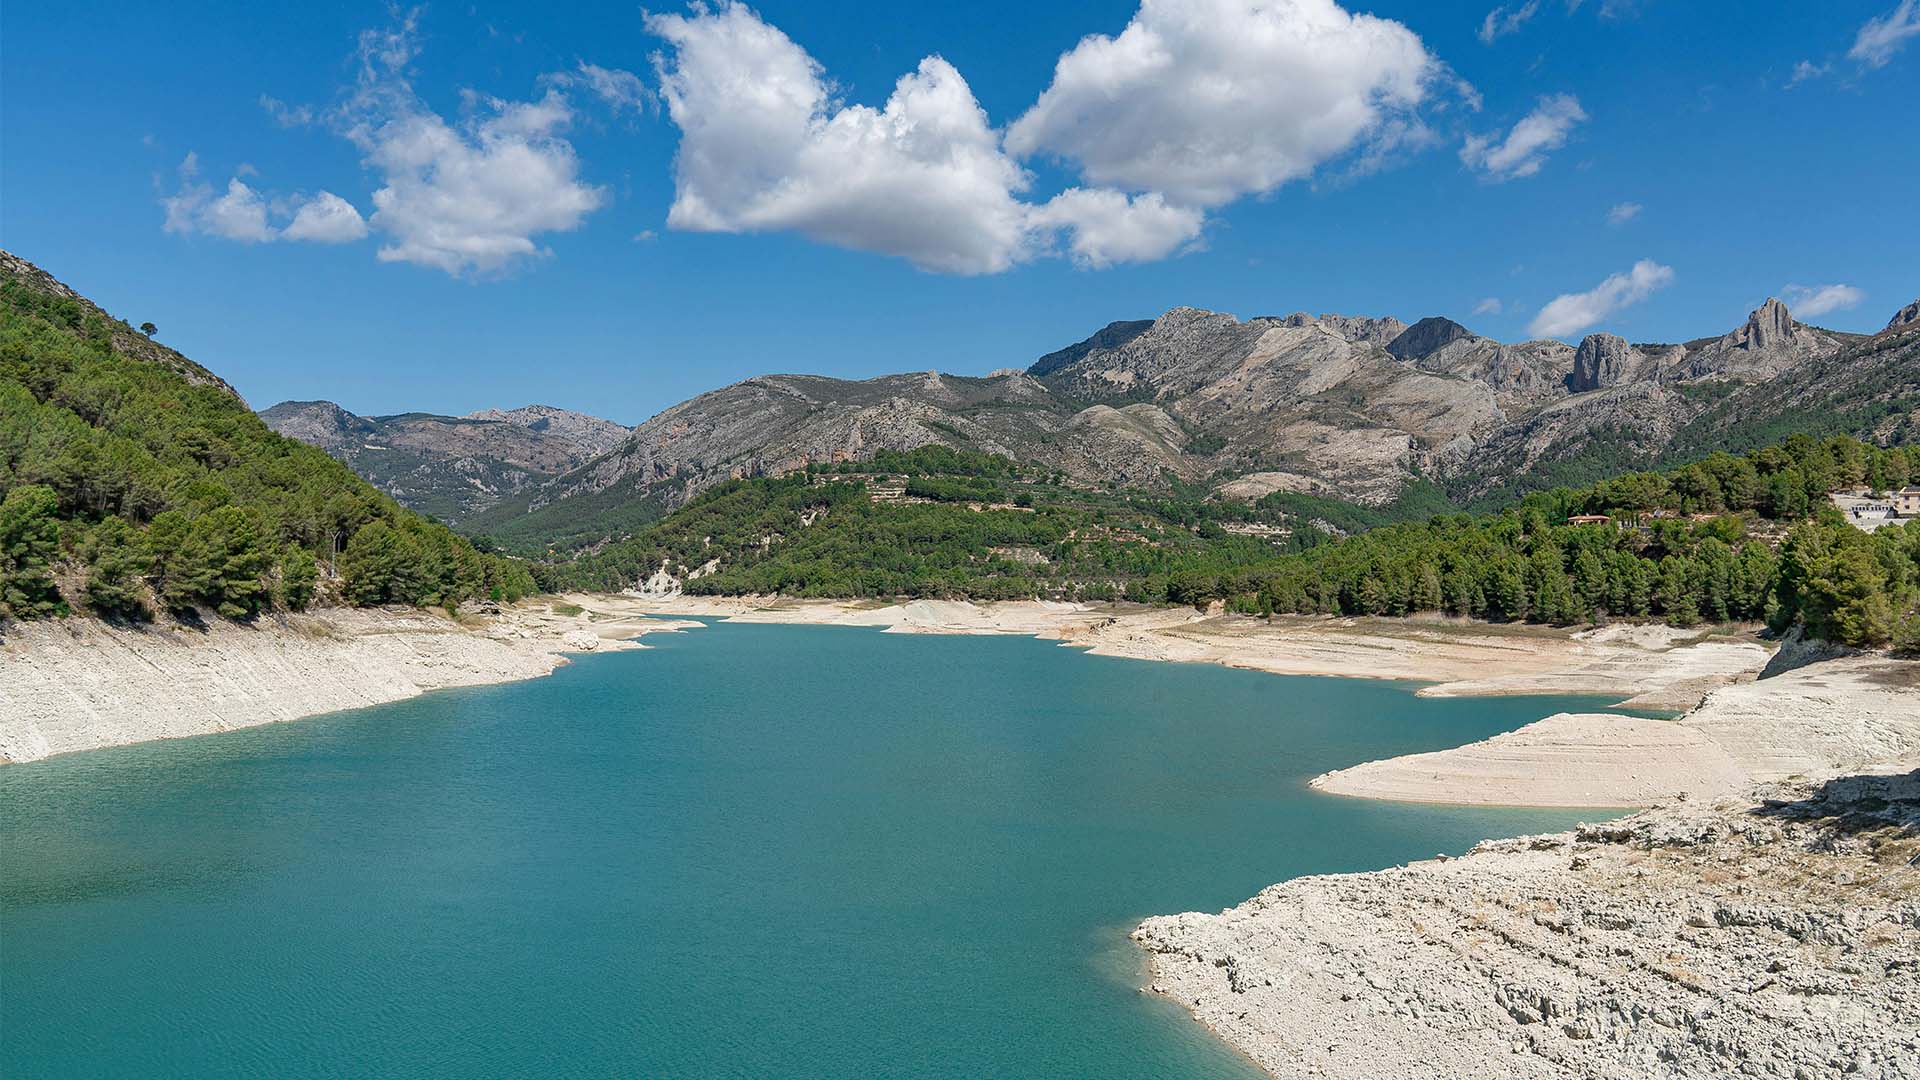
133, 481
1726, 539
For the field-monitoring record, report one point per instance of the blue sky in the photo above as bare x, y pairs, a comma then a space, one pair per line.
505, 221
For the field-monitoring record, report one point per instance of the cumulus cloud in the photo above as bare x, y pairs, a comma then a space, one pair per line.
1621, 213
1208, 100
1811, 301
1106, 227
1571, 313
1524, 150
238, 214
1193, 105
1884, 35
325, 218
1490, 306
1502, 20
245, 215
764, 146
460, 197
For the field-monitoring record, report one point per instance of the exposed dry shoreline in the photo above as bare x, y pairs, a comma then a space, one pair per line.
78, 684
81, 684
1764, 925
1651, 667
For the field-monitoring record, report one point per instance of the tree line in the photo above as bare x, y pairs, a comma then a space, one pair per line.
1730, 538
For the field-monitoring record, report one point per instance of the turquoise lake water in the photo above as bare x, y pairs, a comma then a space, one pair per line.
750, 851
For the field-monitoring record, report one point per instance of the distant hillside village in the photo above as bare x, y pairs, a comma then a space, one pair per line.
1868, 510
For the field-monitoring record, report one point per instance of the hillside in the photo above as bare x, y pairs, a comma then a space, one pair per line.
1357, 410
1726, 539
134, 482
450, 467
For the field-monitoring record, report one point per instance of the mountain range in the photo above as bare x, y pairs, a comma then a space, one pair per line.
1342, 407
451, 466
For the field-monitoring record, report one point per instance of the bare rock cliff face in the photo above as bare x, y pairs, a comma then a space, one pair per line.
1604, 360
1906, 316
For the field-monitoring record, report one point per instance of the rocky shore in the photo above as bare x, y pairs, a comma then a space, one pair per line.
1766, 931
81, 684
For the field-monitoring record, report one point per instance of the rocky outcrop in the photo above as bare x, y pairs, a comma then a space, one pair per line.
1767, 930
1769, 343
1745, 938
1364, 331
1426, 336
1111, 336
1604, 360
590, 436
1906, 316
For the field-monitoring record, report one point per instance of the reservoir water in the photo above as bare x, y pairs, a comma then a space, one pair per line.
750, 851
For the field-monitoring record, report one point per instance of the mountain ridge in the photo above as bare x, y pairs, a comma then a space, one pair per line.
450, 466
1350, 407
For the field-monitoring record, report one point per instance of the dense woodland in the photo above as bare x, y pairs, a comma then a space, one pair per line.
126, 488
1730, 538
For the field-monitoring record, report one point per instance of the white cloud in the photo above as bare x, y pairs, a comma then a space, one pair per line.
1192, 106
1106, 227
325, 219
466, 197
245, 215
1490, 306
1883, 36
1208, 100
238, 214
1524, 150
621, 90
1501, 21
1571, 313
1811, 301
763, 146
1621, 213
1807, 71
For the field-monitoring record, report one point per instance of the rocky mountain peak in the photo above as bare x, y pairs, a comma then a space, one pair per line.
1111, 336
1906, 316
1364, 331
1602, 360
1769, 326
1425, 337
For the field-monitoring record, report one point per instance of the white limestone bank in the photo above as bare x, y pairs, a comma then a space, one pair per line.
81, 684
1653, 667
1767, 932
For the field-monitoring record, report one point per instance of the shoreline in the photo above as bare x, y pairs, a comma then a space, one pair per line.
1648, 666
76, 684
1681, 939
